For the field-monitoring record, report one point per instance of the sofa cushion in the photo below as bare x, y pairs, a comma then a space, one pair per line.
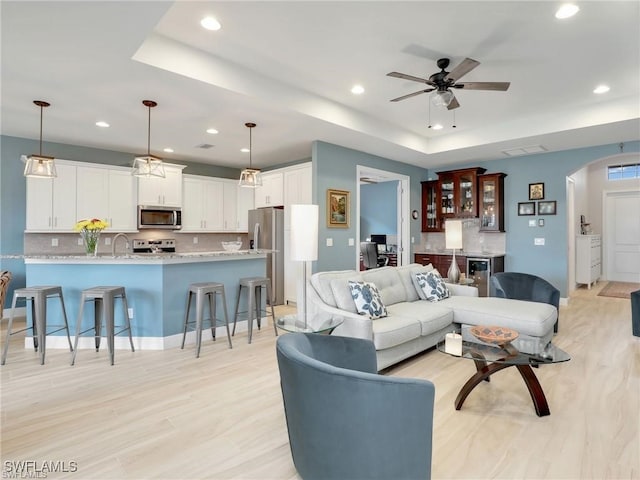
432, 317
394, 330
342, 292
432, 285
367, 299
530, 318
405, 272
321, 282
388, 283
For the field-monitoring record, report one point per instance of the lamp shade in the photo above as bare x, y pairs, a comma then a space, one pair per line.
304, 232
453, 234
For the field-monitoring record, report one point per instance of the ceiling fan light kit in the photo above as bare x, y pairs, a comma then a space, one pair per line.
250, 177
148, 165
441, 82
40, 166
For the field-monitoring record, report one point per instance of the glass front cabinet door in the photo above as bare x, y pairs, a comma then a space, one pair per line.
431, 217
491, 198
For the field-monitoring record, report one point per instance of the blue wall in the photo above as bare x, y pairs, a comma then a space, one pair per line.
335, 167
13, 190
548, 261
378, 209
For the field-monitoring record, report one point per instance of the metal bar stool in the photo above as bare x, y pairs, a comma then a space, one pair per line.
104, 299
255, 286
38, 297
208, 290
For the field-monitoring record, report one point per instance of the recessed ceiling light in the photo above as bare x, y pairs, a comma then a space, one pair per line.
210, 23
601, 89
567, 10
437, 126
245, 150
168, 150
357, 89
102, 124
212, 131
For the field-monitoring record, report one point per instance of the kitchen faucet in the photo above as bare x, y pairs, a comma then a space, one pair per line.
113, 243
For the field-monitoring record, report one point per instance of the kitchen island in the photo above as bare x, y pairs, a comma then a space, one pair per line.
156, 286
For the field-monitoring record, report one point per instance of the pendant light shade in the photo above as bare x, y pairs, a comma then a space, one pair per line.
148, 165
40, 166
250, 177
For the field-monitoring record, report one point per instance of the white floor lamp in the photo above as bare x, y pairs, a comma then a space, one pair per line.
304, 242
453, 240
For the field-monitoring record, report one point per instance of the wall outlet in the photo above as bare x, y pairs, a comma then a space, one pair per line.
130, 313
54, 242
352, 242
195, 240
329, 242
80, 242
538, 241
107, 240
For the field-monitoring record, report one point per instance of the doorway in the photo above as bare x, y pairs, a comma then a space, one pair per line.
370, 177
621, 235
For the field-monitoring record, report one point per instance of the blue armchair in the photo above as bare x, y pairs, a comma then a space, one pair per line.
345, 421
524, 286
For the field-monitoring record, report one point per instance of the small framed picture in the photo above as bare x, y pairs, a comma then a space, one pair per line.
536, 191
337, 208
526, 208
547, 208
541, 222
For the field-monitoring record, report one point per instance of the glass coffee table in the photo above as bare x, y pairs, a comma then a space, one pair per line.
317, 323
490, 359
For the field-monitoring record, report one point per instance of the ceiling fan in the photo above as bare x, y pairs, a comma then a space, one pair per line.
442, 81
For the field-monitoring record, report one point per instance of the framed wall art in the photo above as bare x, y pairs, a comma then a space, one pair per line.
536, 191
526, 208
547, 208
337, 208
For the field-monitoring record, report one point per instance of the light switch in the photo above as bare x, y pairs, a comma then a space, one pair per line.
329, 242
532, 223
413, 239
54, 242
538, 241
352, 242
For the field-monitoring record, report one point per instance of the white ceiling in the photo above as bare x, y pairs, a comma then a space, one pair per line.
289, 67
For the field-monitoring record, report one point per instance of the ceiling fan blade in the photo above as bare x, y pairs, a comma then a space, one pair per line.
453, 104
412, 94
409, 77
463, 68
499, 86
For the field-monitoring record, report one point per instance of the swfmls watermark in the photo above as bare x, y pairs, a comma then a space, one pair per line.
37, 468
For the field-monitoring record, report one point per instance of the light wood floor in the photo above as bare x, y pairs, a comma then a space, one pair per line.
168, 415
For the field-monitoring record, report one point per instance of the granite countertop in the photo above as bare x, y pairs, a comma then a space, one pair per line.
461, 253
144, 258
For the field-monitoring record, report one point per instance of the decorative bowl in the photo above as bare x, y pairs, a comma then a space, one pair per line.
494, 335
231, 246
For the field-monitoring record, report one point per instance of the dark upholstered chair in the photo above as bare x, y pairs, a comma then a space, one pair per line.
370, 257
345, 421
635, 313
524, 286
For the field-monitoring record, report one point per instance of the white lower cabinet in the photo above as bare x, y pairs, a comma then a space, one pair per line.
588, 259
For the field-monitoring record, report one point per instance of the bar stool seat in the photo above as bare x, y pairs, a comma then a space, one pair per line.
104, 299
254, 285
38, 296
209, 290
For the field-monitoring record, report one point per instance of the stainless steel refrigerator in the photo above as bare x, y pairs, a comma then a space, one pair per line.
266, 231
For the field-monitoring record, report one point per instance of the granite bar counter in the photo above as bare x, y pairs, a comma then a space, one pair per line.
156, 286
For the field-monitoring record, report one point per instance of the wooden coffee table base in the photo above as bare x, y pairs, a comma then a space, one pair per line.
526, 372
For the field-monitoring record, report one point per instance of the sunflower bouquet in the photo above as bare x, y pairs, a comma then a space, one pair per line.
90, 233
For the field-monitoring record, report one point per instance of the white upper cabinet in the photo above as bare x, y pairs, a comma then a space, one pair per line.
245, 203
162, 191
271, 193
297, 189
108, 194
229, 207
51, 202
202, 209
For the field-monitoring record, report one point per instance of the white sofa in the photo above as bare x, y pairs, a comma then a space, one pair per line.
413, 325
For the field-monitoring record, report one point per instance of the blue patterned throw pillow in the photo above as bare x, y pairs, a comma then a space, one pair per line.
367, 299
433, 286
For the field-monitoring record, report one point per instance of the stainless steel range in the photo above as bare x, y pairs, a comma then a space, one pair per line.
167, 245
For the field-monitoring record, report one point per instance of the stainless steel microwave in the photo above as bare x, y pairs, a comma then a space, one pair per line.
159, 217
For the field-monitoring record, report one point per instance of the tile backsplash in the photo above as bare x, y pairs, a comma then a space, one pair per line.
473, 240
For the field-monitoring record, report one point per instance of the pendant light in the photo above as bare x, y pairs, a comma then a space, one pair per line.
148, 165
40, 166
250, 177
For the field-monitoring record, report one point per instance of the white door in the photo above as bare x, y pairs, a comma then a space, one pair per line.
622, 236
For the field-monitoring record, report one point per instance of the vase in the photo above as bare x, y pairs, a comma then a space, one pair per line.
91, 239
